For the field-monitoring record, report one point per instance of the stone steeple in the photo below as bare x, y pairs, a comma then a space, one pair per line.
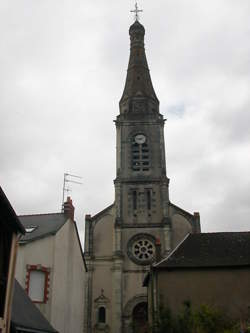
138, 94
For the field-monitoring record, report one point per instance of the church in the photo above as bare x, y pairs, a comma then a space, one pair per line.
121, 241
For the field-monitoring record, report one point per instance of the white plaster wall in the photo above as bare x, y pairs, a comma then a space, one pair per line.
68, 282
39, 252
77, 287
62, 254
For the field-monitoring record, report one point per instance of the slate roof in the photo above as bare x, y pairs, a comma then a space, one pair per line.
45, 224
219, 249
25, 315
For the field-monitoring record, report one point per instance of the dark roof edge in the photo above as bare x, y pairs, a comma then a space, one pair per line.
80, 244
41, 214
10, 214
102, 212
32, 330
178, 267
39, 237
171, 253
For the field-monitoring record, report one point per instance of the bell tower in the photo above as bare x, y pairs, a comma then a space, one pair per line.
141, 184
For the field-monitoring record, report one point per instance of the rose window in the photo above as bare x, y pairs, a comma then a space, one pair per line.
142, 250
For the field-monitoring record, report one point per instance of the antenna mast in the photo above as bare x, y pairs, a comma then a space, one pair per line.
67, 179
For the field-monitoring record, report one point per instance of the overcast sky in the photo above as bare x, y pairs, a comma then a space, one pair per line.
63, 67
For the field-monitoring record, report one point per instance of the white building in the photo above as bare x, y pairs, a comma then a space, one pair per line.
51, 267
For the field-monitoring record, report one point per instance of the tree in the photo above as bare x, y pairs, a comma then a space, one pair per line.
205, 319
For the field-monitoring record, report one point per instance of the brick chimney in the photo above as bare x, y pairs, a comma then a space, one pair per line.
158, 250
69, 209
197, 222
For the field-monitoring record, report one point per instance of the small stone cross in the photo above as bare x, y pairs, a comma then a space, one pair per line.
136, 11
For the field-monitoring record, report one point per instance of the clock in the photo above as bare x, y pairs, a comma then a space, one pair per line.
140, 138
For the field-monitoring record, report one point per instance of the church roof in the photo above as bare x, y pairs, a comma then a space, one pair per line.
219, 249
138, 84
41, 225
25, 315
100, 214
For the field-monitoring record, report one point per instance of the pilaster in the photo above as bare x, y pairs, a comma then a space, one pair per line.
117, 295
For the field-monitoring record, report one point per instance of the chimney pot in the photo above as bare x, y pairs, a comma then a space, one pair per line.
69, 209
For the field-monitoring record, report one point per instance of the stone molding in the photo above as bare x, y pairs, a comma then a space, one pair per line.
128, 309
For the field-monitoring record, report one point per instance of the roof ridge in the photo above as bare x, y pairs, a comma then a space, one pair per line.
221, 232
40, 214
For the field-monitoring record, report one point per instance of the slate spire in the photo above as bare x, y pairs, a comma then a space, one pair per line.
138, 95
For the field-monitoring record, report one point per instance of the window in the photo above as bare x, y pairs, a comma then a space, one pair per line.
149, 199
101, 304
30, 229
141, 249
37, 286
37, 283
134, 200
102, 315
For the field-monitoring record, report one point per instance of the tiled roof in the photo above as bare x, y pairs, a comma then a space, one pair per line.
25, 315
219, 249
43, 224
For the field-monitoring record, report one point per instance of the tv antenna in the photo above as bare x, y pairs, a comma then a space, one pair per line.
66, 180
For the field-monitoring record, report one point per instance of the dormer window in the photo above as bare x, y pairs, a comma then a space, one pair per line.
140, 153
30, 229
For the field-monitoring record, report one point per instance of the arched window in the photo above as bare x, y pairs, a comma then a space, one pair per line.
102, 314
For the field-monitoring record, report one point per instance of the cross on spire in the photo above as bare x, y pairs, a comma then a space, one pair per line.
136, 11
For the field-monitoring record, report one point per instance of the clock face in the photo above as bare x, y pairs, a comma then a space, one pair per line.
140, 138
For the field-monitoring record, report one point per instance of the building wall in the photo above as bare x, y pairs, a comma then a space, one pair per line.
68, 282
39, 252
228, 289
62, 254
98, 280
119, 277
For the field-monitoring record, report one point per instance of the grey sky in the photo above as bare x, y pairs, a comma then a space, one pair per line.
63, 67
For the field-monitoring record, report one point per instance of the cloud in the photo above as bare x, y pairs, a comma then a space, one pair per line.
63, 69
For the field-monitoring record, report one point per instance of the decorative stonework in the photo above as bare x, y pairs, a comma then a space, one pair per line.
141, 249
46, 271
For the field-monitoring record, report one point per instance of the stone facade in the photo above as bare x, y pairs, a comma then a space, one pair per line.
120, 240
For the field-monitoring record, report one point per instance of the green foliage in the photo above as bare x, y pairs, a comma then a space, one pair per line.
205, 319
165, 321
